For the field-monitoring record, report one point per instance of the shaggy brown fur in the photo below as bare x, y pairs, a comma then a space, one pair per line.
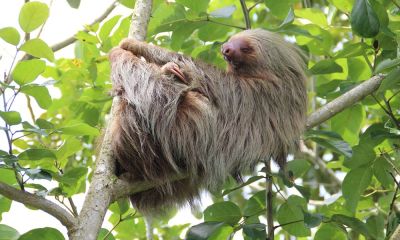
209, 125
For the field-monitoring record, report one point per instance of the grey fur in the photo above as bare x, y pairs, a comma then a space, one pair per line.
219, 124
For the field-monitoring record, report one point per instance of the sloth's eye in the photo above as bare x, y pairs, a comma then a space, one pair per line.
246, 49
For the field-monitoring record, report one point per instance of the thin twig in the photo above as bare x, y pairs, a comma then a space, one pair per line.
391, 115
368, 62
278, 190
72, 39
29, 105
394, 94
63, 203
284, 224
394, 179
255, 4
73, 207
42, 27
269, 198
246, 14
224, 24
8, 78
395, 3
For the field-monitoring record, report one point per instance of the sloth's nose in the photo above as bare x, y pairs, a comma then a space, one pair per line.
227, 49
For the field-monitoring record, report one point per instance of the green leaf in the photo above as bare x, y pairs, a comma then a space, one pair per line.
314, 15
73, 176
353, 223
36, 154
203, 231
288, 19
354, 184
79, 129
364, 20
223, 232
348, 123
33, 15
386, 64
107, 27
10, 35
42, 234
86, 51
305, 192
7, 158
181, 33
381, 171
103, 233
352, 50
255, 231
210, 32
376, 226
363, 154
298, 167
279, 8
70, 146
197, 6
38, 48
312, 220
40, 93
325, 67
74, 3
337, 146
7, 176
43, 124
343, 5
27, 71
292, 211
226, 211
330, 231
38, 174
123, 205
224, 12
87, 37
11, 117
8, 233
391, 81
255, 205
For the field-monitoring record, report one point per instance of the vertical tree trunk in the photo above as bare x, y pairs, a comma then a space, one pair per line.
99, 196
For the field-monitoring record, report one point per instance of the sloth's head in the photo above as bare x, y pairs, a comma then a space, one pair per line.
255, 52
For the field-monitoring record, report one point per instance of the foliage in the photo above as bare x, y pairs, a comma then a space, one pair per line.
346, 42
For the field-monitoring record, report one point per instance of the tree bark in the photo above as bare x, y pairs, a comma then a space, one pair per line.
346, 100
35, 201
99, 196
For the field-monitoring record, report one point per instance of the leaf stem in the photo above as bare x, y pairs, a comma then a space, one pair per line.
288, 223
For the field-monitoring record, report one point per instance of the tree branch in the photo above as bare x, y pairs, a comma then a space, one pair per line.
99, 195
41, 203
122, 188
346, 100
72, 39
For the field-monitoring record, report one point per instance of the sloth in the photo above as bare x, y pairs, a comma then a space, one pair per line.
182, 117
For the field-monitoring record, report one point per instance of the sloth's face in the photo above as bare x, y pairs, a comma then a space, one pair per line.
238, 52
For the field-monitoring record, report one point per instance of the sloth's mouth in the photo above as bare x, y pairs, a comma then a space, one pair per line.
234, 64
